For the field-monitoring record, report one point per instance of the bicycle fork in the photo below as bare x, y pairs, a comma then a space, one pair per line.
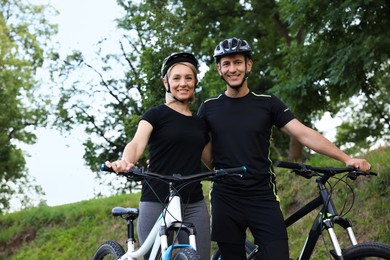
316, 231
173, 223
327, 218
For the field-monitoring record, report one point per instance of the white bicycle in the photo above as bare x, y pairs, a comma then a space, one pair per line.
168, 223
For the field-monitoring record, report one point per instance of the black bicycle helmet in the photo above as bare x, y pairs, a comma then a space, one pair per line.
232, 46
178, 57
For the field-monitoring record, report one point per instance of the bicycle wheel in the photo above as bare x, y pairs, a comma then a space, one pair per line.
368, 250
185, 254
109, 250
249, 248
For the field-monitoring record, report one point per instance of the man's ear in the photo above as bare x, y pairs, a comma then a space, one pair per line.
249, 65
219, 70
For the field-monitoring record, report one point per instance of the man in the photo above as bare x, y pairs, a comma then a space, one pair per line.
241, 122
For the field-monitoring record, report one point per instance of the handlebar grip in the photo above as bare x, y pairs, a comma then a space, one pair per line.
289, 165
232, 170
105, 168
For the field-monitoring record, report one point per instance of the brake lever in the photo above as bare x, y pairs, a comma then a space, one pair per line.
304, 173
356, 172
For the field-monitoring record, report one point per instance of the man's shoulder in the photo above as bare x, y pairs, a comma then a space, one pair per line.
261, 94
215, 98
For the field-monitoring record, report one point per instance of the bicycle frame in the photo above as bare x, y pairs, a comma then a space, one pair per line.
327, 217
170, 219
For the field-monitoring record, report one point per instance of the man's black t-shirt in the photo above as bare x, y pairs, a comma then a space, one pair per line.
241, 130
175, 146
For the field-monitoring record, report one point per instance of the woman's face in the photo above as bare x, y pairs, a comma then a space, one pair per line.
182, 82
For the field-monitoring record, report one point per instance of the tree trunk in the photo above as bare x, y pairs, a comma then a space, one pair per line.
295, 153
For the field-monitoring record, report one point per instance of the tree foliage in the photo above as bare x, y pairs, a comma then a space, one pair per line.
316, 56
343, 66
24, 33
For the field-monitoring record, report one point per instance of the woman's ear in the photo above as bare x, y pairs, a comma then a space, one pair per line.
165, 82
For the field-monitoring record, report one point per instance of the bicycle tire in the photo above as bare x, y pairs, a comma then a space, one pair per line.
109, 250
186, 254
249, 247
367, 250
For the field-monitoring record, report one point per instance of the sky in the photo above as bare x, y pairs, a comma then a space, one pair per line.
56, 161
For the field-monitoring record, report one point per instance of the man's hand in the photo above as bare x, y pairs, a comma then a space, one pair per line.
362, 164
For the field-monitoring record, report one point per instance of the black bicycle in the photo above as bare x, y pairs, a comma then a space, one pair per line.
326, 218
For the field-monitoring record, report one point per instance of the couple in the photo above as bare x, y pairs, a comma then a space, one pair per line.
240, 123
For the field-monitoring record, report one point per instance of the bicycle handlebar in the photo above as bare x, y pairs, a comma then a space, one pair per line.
140, 174
308, 171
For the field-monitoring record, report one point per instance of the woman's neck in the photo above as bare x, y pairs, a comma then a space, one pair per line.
182, 108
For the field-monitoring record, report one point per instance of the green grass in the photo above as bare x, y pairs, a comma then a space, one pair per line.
370, 213
74, 231
71, 231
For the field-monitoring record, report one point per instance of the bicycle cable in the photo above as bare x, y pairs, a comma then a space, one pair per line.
342, 213
175, 189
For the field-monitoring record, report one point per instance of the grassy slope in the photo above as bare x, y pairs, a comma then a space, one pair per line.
369, 215
75, 230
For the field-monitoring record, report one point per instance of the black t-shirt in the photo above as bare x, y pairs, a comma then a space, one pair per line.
241, 130
175, 147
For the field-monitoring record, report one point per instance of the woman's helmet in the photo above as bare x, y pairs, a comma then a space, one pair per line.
232, 46
178, 57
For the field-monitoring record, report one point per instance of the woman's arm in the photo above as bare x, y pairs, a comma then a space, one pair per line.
133, 149
207, 157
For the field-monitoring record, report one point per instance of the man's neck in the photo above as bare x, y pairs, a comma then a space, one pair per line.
237, 93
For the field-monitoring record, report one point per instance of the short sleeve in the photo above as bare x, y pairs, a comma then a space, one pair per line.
281, 113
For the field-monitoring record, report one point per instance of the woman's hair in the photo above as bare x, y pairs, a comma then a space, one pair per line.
168, 96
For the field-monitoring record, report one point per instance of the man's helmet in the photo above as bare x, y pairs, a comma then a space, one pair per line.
232, 46
175, 58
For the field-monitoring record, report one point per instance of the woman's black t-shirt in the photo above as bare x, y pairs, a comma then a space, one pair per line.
175, 147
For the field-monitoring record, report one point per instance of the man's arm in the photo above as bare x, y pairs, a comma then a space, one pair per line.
318, 143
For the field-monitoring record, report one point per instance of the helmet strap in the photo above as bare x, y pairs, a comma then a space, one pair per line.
169, 87
181, 101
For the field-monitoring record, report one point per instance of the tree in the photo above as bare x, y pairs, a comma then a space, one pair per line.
315, 56
24, 34
123, 99
342, 66
306, 53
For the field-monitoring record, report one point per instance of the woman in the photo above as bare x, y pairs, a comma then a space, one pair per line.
176, 141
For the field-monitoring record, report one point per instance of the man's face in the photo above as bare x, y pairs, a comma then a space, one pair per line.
232, 68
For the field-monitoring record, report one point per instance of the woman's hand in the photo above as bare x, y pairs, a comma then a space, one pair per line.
120, 165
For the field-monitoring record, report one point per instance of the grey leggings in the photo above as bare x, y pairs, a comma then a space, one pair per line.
195, 213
